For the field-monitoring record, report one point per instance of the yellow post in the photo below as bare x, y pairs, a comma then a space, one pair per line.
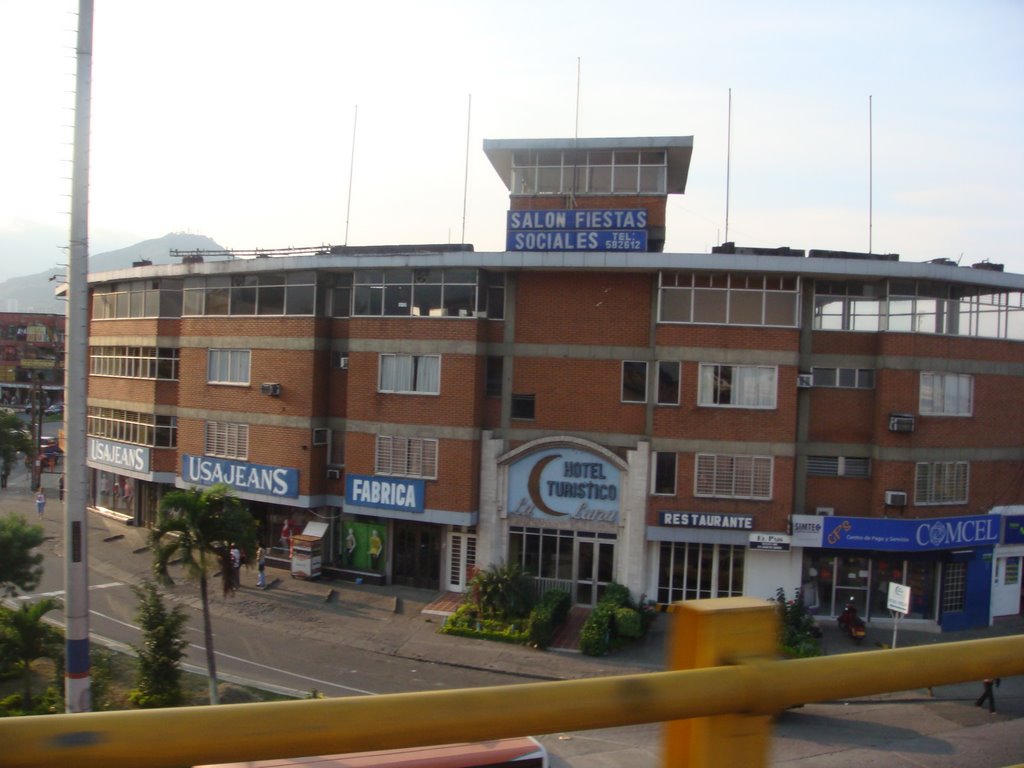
713, 633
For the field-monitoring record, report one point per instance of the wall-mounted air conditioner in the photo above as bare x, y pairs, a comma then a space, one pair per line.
270, 389
901, 422
895, 498
804, 380
343, 362
333, 474
321, 436
825, 511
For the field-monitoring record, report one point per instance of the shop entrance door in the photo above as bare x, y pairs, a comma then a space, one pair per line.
417, 555
595, 568
851, 579
461, 560
1006, 586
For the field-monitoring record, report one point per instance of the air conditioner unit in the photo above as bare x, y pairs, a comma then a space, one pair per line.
321, 436
343, 362
901, 422
804, 380
333, 474
825, 511
895, 498
270, 389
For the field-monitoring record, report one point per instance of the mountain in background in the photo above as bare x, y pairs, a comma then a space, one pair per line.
34, 293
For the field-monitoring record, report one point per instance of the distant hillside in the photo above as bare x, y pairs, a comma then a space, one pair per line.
34, 293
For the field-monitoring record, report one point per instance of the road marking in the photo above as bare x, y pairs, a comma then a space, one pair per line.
60, 592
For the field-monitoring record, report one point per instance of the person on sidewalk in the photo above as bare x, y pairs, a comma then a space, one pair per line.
987, 694
261, 564
40, 501
236, 565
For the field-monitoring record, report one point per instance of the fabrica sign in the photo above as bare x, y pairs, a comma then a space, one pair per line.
895, 535
398, 493
250, 478
109, 453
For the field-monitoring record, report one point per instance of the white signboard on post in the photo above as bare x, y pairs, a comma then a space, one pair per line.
899, 597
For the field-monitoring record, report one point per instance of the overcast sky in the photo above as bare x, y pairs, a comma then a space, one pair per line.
234, 118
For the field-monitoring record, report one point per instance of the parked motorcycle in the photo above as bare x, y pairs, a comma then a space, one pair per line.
851, 623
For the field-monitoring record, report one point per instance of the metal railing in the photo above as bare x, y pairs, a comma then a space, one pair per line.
718, 701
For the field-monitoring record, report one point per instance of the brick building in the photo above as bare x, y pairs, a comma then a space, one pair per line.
584, 404
31, 357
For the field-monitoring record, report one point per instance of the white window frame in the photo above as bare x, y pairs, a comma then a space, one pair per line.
226, 440
946, 394
235, 364
726, 483
409, 374
939, 483
406, 457
709, 396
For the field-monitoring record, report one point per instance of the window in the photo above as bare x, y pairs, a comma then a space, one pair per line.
663, 481
634, 382
668, 383
228, 366
132, 427
954, 587
229, 441
737, 386
336, 450
947, 394
265, 293
425, 293
693, 571
134, 362
734, 477
846, 378
728, 299
341, 296
563, 172
544, 553
410, 374
494, 375
838, 466
137, 298
321, 436
406, 457
523, 407
941, 482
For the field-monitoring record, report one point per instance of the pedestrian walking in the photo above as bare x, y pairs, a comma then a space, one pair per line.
236, 565
261, 564
60, 487
40, 501
987, 694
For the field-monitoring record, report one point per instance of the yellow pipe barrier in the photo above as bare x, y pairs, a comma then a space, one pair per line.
751, 687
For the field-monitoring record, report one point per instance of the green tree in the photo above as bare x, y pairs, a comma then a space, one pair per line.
199, 526
25, 637
503, 592
158, 675
20, 565
13, 438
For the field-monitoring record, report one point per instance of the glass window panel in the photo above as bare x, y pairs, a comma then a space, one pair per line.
634, 381
709, 306
675, 305
668, 382
398, 300
368, 301
270, 300
299, 300
780, 309
459, 300
746, 307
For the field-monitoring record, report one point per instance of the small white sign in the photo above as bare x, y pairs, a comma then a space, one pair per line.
899, 597
771, 542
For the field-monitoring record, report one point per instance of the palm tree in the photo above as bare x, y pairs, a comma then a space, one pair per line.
200, 526
25, 637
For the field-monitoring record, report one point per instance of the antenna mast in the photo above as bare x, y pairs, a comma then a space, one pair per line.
871, 173
576, 139
728, 165
351, 168
465, 178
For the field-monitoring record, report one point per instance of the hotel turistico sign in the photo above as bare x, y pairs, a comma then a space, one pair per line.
577, 230
564, 484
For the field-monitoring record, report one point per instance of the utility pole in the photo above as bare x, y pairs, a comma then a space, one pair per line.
77, 680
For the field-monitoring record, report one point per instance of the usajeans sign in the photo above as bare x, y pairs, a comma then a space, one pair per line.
240, 475
109, 453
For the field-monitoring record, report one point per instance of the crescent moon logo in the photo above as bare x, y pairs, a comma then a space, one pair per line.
533, 486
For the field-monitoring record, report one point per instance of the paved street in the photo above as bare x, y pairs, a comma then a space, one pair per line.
346, 639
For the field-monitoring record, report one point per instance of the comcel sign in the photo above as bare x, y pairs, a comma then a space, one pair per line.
895, 535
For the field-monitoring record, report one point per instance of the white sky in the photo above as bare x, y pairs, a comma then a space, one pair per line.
234, 118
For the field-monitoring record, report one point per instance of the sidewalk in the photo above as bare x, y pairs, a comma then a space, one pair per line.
390, 619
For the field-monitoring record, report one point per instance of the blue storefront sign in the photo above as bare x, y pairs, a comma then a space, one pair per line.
242, 476
398, 493
1014, 529
889, 535
123, 456
564, 483
577, 230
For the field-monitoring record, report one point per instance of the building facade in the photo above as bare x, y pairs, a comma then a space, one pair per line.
31, 359
584, 404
